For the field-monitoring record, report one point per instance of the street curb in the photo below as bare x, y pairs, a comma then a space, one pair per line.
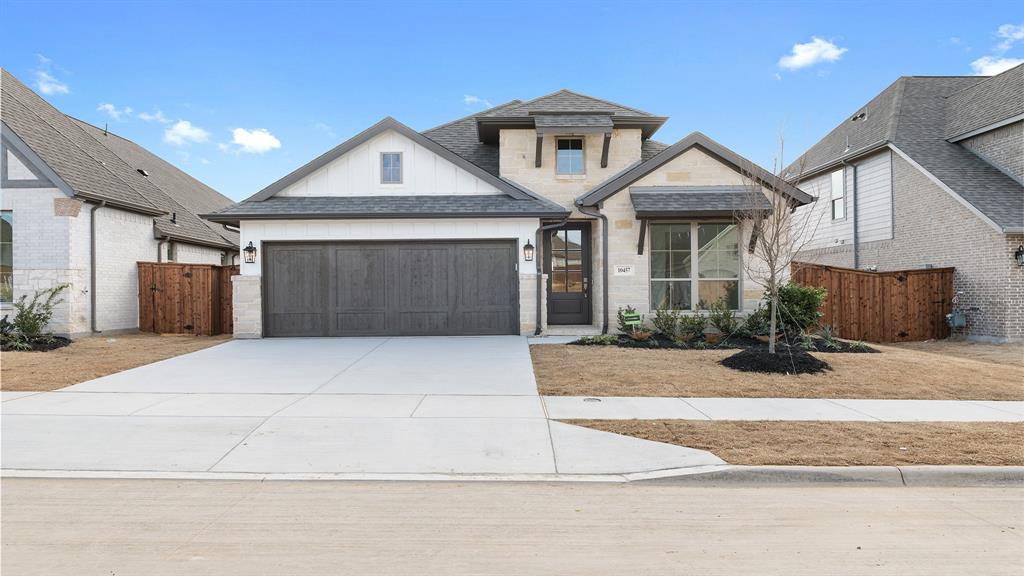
911, 476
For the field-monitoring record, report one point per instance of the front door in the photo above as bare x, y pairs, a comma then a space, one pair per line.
567, 264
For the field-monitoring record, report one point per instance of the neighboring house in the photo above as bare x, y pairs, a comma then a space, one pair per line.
81, 206
443, 232
929, 174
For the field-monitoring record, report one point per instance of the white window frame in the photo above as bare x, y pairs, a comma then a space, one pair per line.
583, 156
401, 168
695, 278
837, 195
10, 220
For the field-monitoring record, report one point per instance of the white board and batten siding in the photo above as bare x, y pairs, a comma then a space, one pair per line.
358, 173
873, 211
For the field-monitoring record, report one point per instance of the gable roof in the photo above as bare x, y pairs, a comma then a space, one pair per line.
708, 146
912, 116
186, 196
384, 125
105, 168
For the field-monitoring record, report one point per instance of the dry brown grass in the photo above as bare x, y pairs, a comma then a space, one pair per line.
835, 443
92, 357
1009, 354
894, 373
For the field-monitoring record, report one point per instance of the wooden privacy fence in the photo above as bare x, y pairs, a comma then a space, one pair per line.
900, 306
185, 298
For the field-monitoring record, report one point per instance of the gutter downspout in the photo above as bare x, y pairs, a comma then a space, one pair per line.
604, 257
538, 238
92, 264
856, 234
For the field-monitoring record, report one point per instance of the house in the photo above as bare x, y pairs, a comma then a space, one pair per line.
81, 205
539, 216
929, 174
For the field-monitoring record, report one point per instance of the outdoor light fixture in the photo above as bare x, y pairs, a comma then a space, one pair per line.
528, 252
250, 253
1019, 255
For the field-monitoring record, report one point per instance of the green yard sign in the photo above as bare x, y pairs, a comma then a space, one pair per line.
632, 320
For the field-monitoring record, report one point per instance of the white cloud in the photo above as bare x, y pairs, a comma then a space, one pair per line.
1011, 34
816, 51
255, 141
183, 132
470, 100
992, 65
157, 116
47, 84
114, 112
204, 161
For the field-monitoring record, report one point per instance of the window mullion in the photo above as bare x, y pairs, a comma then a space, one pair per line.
694, 267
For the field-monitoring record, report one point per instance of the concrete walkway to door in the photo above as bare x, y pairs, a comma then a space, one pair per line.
361, 407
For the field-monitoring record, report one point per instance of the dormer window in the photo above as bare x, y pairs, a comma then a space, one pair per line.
569, 158
391, 168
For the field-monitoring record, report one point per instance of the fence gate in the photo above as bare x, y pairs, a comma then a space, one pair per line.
900, 306
185, 298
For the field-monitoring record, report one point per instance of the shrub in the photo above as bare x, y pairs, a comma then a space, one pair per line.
666, 323
799, 307
757, 323
640, 335
599, 340
33, 316
692, 325
621, 318
723, 318
807, 342
828, 338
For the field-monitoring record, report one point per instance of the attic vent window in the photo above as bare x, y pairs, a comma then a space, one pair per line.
857, 117
143, 172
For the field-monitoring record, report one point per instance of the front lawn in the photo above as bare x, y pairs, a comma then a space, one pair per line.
92, 357
835, 443
892, 373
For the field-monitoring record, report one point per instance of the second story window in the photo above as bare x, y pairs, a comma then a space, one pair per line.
391, 168
570, 156
838, 195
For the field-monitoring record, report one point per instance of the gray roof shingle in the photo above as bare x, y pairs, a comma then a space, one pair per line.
985, 103
460, 137
565, 101
423, 206
695, 200
913, 115
573, 121
105, 168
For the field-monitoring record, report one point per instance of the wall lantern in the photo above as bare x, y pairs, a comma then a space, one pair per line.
250, 253
528, 252
1019, 255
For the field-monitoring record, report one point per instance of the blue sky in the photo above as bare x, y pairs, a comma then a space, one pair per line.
240, 93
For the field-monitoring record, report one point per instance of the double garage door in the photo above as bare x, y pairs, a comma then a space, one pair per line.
390, 288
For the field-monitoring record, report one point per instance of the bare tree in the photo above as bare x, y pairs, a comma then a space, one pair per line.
778, 231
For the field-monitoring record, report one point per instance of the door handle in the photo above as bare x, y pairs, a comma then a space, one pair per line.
586, 285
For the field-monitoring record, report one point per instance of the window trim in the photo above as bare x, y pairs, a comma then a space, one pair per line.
695, 278
583, 156
401, 168
833, 199
10, 219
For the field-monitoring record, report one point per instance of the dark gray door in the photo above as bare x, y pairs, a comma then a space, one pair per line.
567, 263
390, 288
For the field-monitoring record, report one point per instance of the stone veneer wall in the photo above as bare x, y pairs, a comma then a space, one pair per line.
528, 303
247, 306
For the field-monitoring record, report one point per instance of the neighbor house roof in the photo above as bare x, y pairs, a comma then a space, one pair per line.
708, 146
686, 201
988, 103
913, 116
423, 206
105, 168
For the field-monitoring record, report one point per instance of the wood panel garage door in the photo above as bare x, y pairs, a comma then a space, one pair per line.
390, 288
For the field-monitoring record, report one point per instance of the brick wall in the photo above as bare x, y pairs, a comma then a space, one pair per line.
122, 239
1002, 147
192, 254
931, 227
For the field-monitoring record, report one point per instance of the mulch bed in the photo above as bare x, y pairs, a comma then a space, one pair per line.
784, 361
44, 344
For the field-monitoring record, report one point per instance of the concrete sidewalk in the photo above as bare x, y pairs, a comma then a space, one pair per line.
839, 410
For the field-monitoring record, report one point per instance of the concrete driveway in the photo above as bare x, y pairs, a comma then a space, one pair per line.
363, 407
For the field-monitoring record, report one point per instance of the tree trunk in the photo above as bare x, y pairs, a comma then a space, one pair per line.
772, 325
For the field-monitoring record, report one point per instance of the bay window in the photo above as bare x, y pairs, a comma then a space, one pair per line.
680, 281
